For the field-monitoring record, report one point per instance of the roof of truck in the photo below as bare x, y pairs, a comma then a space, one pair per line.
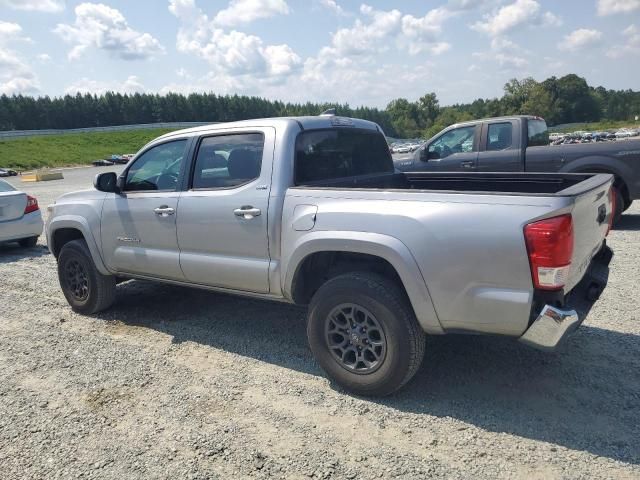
317, 122
505, 117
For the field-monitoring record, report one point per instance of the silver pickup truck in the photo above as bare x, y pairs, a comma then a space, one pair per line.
310, 211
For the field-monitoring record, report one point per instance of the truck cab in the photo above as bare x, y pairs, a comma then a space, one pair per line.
520, 143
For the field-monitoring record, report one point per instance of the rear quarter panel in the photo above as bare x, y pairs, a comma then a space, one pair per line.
469, 249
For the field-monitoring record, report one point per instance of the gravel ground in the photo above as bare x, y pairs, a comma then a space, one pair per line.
179, 383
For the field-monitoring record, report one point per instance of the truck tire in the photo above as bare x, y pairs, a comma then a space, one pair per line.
364, 334
85, 288
28, 242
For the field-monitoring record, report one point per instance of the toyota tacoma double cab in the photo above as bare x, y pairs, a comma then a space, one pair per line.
311, 211
520, 143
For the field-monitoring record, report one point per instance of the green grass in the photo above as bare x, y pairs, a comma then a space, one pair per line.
598, 126
71, 149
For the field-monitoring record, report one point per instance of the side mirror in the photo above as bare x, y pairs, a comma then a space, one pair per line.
426, 155
106, 182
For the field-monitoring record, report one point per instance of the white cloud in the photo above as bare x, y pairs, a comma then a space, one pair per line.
11, 32
333, 6
579, 39
518, 14
499, 44
231, 54
379, 30
247, 11
43, 57
611, 7
99, 26
49, 6
85, 85
506, 61
631, 45
16, 76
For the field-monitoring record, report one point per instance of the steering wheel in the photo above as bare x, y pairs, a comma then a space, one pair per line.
167, 181
446, 151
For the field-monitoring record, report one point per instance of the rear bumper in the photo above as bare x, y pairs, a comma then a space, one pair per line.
29, 225
555, 323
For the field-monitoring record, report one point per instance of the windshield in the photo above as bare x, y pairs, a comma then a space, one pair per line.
339, 153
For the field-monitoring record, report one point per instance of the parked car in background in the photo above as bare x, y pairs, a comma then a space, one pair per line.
20, 217
102, 163
5, 172
624, 133
520, 143
310, 211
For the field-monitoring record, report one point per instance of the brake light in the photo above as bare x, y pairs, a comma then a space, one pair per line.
32, 204
612, 201
550, 248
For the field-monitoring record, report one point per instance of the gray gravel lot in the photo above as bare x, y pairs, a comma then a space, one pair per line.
179, 383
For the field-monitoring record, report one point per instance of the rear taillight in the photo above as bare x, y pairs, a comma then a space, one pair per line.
612, 201
550, 247
32, 204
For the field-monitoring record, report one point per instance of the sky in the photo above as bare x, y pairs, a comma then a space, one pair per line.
361, 53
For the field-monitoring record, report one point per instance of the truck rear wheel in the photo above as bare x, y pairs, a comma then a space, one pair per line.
85, 288
364, 334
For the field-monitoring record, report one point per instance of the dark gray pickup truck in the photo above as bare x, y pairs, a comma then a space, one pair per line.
521, 144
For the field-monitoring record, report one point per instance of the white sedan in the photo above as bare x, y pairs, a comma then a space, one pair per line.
20, 217
624, 133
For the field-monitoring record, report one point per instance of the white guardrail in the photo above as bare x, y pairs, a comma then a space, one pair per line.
12, 134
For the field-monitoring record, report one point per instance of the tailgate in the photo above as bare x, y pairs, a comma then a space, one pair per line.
12, 205
591, 212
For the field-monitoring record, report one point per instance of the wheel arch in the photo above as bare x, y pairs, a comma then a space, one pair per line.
64, 229
608, 165
319, 256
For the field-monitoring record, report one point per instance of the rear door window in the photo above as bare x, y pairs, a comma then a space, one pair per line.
538, 133
226, 161
340, 153
499, 136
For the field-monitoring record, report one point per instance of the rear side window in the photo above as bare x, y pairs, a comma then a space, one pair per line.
499, 136
6, 186
538, 133
330, 154
226, 161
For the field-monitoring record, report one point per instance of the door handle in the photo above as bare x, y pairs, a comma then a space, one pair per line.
164, 211
247, 212
467, 164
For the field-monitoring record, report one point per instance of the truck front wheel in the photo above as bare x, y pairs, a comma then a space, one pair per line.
364, 334
85, 288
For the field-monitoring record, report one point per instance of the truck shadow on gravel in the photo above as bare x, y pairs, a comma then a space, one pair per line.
12, 252
585, 397
628, 222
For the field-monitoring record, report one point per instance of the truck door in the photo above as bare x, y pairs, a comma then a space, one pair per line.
222, 226
138, 225
500, 147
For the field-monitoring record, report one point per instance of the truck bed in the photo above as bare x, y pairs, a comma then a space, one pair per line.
560, 184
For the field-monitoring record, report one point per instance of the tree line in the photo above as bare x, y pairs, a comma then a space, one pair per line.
559, 100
